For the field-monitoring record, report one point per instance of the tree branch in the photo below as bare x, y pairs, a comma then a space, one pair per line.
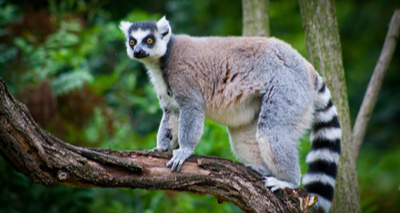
46, 159
375, 84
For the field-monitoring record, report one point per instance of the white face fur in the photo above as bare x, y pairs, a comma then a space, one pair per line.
146, 41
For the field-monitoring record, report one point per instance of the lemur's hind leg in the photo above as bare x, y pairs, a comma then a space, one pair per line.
286, 112
245, 146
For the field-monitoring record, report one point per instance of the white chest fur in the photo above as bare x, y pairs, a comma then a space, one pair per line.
156, 78
160, 86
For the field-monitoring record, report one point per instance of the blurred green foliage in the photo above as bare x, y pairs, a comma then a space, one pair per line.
104, 99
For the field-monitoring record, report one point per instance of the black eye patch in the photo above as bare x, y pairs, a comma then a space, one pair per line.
149, 41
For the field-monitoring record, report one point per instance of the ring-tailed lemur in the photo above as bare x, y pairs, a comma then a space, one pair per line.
262, 89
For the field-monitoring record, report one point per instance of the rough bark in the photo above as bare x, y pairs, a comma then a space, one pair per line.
255, 18
45, 159
324, 52
375, 84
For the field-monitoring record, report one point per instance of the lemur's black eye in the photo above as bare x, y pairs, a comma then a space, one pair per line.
149, 40
131, 42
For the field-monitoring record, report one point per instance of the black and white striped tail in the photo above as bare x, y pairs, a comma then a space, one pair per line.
325, 149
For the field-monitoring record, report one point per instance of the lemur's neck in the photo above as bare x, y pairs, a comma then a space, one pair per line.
157, 70
164, 60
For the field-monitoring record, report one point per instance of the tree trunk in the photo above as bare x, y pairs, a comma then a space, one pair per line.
46, 159
255, 18
324, 52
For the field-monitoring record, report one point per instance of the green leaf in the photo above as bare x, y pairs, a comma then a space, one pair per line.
69, 81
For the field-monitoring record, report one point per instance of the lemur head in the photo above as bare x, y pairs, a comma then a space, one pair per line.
146, 40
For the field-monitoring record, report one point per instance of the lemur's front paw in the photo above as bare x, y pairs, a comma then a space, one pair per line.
179, 156
276, 184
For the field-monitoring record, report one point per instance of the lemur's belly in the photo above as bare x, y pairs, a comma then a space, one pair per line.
236, 114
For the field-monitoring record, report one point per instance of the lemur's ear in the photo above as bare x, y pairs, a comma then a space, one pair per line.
124, 26
163, 26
